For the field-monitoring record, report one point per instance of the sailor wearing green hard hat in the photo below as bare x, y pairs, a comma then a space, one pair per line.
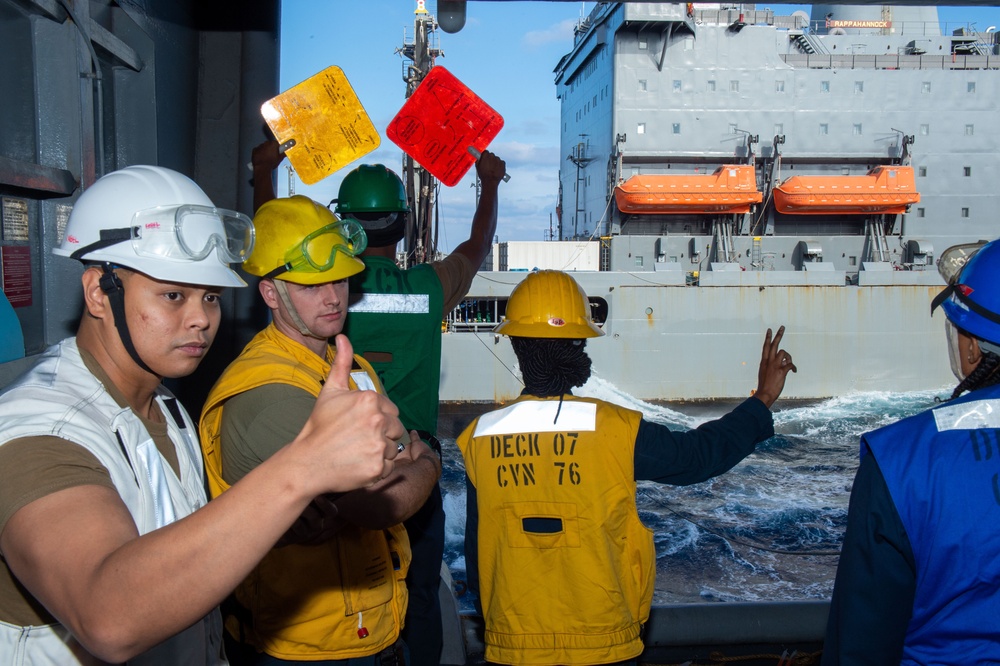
395, 322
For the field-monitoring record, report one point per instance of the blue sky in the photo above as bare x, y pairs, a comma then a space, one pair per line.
505, 53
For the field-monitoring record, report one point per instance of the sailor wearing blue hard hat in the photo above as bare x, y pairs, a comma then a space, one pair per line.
920, 565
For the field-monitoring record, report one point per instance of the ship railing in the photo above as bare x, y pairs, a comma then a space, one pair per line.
749, 17
903, 28
848, 61
473, 315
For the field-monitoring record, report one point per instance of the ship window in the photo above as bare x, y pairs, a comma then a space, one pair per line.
921, 212
970, 130
824, 86
640, 128
922, 171
638, 261
965, 212
859, 87
779, 86
689, 43
925, 87
734, 86
732, 128
925, 130
970, 87
824, 128
677, 86
857, 129
642, 85
853, 261
779, 128
711, 86
677, 128
642, 43
968, 171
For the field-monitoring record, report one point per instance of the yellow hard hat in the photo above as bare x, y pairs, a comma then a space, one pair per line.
548, 304
300, 241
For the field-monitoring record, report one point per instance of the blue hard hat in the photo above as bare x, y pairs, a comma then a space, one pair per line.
972, 301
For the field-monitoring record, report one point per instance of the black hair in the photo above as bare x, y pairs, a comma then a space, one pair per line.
551, 366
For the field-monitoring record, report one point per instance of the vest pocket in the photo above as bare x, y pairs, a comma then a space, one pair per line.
542, 525
365, 569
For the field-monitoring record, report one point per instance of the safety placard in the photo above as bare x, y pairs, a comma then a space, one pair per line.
320, 125
439, 124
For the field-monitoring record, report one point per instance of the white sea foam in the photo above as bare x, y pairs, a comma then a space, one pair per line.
716, 540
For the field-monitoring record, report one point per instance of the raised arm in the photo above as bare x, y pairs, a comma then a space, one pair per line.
78, 551
265, 158
491, 170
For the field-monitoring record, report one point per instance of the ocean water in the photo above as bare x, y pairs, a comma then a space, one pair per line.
769, 529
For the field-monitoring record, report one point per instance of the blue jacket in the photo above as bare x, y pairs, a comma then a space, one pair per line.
942, 470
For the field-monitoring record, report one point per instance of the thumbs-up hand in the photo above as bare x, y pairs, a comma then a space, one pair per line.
351, 437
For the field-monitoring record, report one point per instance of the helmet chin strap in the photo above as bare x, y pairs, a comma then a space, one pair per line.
112, 285
300, 326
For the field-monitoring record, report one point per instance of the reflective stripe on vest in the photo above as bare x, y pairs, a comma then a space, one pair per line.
392, 304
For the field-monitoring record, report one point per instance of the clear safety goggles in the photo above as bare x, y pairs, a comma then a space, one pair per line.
191, 232
318, 251
953, 260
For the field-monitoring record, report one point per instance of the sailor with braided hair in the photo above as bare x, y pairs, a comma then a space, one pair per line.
561, 564
920, 565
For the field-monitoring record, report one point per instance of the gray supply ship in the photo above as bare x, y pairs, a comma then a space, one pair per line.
729, 169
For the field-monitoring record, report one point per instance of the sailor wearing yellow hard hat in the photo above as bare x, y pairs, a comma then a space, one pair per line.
562, 566
335, 588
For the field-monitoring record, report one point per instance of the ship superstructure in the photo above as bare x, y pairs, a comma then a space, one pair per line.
729, 169
654, 92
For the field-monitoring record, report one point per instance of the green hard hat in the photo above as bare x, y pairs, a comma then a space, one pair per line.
371, 188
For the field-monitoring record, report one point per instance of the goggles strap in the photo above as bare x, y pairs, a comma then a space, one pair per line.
942, 297
108, 238
270, 275
976, 307
112, 285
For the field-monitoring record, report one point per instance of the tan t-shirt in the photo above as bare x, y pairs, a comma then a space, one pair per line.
35, 467
258, 422
455, 273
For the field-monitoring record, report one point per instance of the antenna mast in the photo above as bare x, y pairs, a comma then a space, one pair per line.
420, 242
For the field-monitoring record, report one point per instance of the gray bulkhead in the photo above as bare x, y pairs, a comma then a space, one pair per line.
173, 83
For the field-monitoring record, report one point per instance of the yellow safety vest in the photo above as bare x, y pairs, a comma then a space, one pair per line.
566, 568
310, 602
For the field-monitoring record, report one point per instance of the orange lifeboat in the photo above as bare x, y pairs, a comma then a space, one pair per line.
883, 190
731, 188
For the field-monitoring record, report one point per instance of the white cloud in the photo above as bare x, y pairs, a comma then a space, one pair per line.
559, 33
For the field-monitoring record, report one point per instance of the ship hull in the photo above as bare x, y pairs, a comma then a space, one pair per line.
668, 341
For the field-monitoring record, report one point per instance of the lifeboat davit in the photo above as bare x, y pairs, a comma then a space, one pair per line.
883, 190
732, 188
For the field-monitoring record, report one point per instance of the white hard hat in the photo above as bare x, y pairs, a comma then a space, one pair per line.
158, 222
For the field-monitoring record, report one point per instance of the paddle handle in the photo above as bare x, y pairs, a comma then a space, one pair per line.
475, 153
281, 149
